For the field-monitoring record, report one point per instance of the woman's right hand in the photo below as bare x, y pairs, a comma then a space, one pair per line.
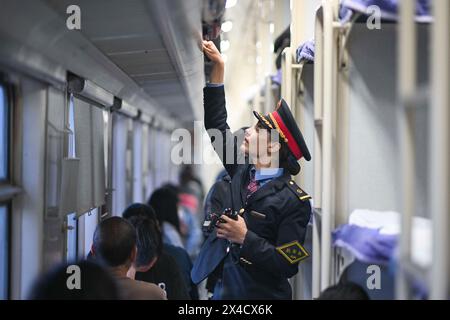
211, 51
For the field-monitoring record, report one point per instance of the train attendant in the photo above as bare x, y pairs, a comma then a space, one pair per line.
256, 254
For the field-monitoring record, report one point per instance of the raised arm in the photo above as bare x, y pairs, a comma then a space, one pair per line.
218, 70
215, 110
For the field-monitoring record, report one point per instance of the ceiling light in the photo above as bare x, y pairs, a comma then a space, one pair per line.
224, 45
230, 4
227, 26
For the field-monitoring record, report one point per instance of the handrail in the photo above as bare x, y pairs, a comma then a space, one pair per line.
329, 77
406, 85
439, 171
286, 71
318, 116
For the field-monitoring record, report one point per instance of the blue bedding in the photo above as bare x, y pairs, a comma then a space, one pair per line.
366, 244
305, 51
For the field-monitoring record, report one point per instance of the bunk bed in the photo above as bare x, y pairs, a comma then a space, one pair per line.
370, 136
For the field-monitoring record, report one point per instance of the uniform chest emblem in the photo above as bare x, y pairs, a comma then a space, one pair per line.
293, 252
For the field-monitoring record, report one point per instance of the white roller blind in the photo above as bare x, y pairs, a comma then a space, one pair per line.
89, 144
120, 129
167, 159
159, 158
145, 160
137, 163
151, 162
98, 156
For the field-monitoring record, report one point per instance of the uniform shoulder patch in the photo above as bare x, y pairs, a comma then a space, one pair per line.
299, 193
293, 252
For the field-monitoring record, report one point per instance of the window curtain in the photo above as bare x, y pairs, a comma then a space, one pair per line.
89, 146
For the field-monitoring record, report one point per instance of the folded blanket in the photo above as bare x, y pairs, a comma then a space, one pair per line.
366, 244
305, 51
384, 226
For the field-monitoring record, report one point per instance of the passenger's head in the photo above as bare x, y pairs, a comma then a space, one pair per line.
94, 283
344, 291
172, 187
115, 242
165, 203
139, 209
186, 174
149, 238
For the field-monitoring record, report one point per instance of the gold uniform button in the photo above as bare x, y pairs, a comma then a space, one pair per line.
241, 211
299, 190
291, 182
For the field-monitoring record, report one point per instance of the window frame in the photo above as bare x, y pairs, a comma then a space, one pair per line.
9, 94
7, 188
70, 143
8, 205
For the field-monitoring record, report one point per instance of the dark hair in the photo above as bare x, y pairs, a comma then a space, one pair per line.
114, 240
344, 291
172, 187
95, 284
139, 209
148, 234
287, 160
165, 203
187, 177
187, 174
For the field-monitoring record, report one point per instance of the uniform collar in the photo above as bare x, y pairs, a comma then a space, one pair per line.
267, 173
268, 187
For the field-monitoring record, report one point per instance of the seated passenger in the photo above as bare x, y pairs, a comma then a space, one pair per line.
115, 246
165, 203
189, 225
344, 291
152, 263
94, 283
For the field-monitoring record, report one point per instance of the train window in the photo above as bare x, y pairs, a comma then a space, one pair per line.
72, 151
71, 237
4, 251
86, 228
4, 130
121, 163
